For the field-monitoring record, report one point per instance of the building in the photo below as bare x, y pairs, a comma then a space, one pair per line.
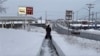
13, 21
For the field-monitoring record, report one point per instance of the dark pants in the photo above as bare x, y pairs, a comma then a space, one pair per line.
48, 37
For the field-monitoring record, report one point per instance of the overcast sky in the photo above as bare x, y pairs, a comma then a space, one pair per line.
55, 8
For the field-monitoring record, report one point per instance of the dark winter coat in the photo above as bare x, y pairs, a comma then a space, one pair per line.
48, 30
48, 33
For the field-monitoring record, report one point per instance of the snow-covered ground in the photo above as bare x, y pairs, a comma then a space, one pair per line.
20, 42
76, 46
23, 43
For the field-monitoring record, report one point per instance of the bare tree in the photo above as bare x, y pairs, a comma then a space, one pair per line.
2, 9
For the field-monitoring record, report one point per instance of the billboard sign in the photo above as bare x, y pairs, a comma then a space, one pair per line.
25, 10
69, 14
22, 10
29, 10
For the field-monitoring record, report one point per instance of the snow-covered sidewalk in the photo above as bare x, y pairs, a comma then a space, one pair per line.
20, 42
75, 46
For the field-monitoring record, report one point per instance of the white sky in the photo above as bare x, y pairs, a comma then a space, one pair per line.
55, 8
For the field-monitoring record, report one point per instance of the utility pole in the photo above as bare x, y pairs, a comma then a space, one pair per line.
46, 16
77, 15
92, 18
90, 6
73, 15
96, 20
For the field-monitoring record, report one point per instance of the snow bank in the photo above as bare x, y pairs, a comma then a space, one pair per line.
20, 42
92, 31
90, 34
58, 49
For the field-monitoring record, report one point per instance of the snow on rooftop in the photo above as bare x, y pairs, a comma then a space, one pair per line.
16, 18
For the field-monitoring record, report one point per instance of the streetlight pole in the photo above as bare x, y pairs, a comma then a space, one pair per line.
77, 15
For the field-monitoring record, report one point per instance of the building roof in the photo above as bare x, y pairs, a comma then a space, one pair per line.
17, 18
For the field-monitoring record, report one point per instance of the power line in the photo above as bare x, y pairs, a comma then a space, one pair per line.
94, 1
90, 5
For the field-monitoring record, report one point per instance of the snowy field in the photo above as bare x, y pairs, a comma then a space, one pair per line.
20, 42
